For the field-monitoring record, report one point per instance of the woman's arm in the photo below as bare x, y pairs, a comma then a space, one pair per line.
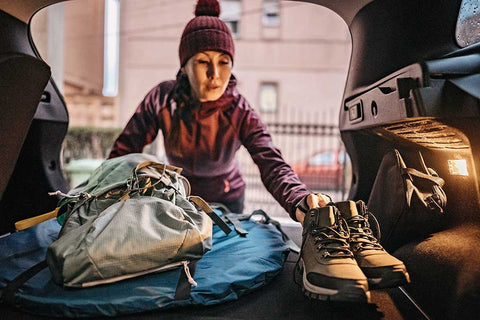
141, 129
277, 176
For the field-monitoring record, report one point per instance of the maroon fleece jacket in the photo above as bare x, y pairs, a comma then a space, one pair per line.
208, 143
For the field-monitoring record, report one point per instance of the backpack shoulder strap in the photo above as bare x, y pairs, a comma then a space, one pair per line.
8, 294
183, 289
30, 222
209, 211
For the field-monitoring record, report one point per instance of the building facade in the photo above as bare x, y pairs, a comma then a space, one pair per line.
289, 55
70, 36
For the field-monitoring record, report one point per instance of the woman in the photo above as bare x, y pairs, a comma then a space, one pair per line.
205, 120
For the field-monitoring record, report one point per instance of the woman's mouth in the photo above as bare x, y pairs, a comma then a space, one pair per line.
213, 87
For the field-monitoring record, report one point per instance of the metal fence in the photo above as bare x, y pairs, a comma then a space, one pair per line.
299, 138
303, 143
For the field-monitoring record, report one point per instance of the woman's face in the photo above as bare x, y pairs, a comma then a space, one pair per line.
208, 73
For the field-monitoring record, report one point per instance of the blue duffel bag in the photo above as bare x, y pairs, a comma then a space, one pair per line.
236, 265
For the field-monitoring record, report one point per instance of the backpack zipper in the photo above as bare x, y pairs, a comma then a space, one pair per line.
167, 267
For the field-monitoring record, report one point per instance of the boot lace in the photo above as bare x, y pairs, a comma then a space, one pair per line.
361, 235
332, 241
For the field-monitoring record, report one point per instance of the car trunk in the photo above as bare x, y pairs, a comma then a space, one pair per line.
412, 88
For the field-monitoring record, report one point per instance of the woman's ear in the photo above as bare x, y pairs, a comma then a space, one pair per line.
182, 69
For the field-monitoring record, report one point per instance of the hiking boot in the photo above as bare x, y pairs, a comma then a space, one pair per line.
329, 269
382, 269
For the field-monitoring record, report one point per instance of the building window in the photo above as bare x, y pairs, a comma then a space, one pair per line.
231, 12
268, 97
271, 13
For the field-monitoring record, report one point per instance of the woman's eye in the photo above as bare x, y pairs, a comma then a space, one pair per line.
202, 61
225, 62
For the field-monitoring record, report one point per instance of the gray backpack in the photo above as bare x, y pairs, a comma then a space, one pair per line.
133, 216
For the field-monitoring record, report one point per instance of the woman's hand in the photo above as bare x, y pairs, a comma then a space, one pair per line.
313, 200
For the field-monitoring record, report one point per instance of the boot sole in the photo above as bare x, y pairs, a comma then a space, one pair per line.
350, 293
393, 279
390, 280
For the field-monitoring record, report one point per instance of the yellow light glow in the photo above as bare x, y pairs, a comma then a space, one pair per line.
458, 167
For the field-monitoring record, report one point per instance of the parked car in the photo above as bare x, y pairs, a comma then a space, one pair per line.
413, 85
323, 170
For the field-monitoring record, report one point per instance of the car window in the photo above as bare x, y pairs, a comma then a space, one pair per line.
341, 157
468, 24
320, 159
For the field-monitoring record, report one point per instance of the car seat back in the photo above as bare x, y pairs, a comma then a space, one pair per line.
21, 86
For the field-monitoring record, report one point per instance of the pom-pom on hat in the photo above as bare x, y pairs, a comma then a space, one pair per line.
205, 32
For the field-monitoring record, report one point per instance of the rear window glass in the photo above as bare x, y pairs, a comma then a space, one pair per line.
320, 159
468, 24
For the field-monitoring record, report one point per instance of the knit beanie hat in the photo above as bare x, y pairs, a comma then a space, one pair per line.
205, 32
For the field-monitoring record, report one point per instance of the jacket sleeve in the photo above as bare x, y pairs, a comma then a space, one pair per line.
277, 176
141, 129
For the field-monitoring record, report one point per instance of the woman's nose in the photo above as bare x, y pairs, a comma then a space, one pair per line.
212, 71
